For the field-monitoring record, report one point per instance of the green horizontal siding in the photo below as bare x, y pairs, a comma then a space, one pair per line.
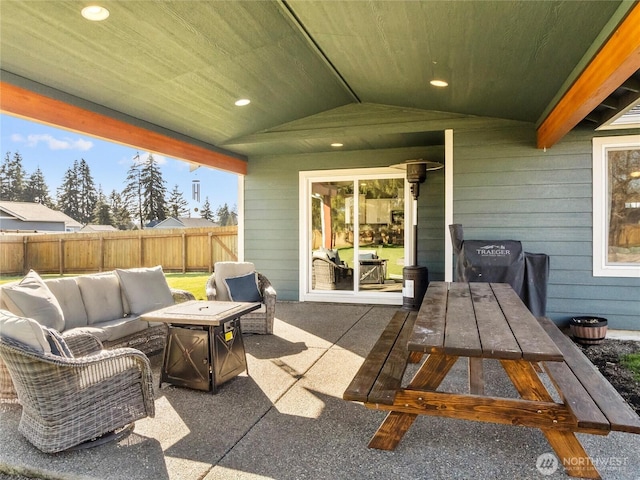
504, 189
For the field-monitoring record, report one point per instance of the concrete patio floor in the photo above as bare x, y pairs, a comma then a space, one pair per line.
287, 420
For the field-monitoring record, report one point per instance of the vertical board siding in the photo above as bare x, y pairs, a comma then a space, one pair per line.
507, 190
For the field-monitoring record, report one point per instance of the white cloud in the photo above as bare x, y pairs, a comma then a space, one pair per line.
55, 143
16, 137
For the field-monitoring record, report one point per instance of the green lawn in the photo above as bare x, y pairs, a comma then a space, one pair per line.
632, 362
194, 282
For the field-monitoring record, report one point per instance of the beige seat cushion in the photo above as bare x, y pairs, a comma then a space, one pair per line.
224, 270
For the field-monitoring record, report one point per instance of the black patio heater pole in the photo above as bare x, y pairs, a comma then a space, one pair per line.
415, 278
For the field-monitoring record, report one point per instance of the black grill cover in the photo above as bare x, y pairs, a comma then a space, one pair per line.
503, 261
492, 261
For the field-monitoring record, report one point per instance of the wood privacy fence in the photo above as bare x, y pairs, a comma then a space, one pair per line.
178, 250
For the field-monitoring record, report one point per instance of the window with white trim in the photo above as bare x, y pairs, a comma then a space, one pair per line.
616, 206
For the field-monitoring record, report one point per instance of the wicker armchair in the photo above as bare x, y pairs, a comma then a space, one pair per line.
260, 321
328, 275
67, 401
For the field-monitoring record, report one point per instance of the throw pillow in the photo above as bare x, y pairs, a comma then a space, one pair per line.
101, 296
23, 330
145, 289
244, 288
32, 298
57, 343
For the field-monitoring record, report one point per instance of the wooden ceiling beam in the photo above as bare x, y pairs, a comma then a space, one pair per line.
616, 61
34, 106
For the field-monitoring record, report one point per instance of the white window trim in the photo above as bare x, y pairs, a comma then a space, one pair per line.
600, 208
305, 179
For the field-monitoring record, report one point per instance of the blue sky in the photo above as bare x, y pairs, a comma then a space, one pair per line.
54, 151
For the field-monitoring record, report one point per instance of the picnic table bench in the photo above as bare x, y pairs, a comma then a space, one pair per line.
478, 321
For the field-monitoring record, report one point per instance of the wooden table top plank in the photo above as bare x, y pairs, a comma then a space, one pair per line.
535, 343
496, 337
461, 330
428, 331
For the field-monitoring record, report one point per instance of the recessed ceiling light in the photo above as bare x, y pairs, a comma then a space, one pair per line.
95, 13
635, 174
337, 145
242, 102
439, 83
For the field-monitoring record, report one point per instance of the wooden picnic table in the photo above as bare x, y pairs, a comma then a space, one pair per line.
480, 321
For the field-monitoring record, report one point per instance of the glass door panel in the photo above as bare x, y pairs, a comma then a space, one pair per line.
380, 246
331, 235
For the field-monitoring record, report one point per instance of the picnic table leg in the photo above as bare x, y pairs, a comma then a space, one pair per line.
396, 424
476, 376
565, 444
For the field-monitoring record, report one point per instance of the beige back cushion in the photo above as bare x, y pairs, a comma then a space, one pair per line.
24, 330
229, 269
145, 289
32, 298
101, 296
67, 292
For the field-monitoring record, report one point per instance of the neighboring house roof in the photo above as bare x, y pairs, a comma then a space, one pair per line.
184, 222
98, 228
36, 212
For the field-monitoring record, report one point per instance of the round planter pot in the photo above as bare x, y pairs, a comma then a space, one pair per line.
588, 330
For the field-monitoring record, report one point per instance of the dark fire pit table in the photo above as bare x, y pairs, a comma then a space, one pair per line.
204, 345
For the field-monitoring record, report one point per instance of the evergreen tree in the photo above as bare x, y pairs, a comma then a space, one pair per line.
132, 193
12, 178
154, 191
37, 190
226, 216
68, 193
88, 196
177, 206
119, 211
102, 211
205, 211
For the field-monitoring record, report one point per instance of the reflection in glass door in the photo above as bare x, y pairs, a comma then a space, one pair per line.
381, 234
357, 252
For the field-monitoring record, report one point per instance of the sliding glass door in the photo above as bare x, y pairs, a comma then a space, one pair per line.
353, 232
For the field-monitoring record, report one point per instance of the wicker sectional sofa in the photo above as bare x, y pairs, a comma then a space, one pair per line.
107, 305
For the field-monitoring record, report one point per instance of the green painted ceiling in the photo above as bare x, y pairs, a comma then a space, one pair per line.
180, 65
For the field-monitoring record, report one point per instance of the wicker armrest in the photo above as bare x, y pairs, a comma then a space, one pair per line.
82, 343
210, 287
180, 296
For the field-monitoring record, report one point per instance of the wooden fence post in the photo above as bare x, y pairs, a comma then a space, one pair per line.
184, 253
25, 253
61, 256
210, 249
